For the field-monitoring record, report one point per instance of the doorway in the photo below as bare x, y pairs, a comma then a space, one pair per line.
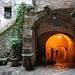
62, 45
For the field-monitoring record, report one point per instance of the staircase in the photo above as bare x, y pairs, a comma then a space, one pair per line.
6, 26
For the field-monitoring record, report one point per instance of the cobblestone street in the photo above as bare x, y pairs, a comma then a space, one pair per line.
40, 70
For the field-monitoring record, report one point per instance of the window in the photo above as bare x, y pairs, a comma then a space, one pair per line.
7, 12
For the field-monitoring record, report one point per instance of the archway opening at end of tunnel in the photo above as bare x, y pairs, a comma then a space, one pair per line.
60, 48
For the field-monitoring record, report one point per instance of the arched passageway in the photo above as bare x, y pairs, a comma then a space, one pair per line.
61, 43
60, 47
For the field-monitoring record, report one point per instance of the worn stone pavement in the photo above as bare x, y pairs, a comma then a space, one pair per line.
58, 69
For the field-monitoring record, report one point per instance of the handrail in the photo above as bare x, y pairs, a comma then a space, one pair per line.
6, 26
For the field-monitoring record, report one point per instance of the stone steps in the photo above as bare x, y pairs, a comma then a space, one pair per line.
6, 26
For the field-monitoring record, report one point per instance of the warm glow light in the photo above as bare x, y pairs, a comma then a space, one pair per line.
59, 36
59, 47
57, 44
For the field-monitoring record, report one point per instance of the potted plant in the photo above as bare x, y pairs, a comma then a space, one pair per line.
27, 56
16, 46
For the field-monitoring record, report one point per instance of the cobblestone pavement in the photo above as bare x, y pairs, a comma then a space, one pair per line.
40, 70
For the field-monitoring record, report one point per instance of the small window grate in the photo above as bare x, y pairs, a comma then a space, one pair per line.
7, 11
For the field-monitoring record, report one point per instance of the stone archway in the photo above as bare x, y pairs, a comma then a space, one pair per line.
46, 24
65, 46
44, 29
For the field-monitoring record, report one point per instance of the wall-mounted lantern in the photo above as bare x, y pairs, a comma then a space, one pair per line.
54, 17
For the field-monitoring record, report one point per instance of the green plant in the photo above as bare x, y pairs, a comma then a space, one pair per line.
16, 45
22, 8
27, 52
13, 41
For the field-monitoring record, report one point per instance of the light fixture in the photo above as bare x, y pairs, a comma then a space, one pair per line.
54, 18
59, 36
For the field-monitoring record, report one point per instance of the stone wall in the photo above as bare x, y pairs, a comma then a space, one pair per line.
43, 24
11, 32
33, 19
54, 4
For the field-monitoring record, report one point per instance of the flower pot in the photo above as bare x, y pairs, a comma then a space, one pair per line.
28, 61
15, 61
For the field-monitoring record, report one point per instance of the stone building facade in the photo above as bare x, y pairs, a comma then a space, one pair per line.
7, 13
8, 10
49, 18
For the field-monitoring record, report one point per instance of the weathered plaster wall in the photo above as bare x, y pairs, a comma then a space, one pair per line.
4, 21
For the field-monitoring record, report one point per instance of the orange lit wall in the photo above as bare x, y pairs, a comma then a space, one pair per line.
60, 43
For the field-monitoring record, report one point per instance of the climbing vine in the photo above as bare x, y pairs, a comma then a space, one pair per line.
20, 17
14, 32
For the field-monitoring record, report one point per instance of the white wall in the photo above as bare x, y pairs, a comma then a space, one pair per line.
4, 21
14, 3
26, 1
